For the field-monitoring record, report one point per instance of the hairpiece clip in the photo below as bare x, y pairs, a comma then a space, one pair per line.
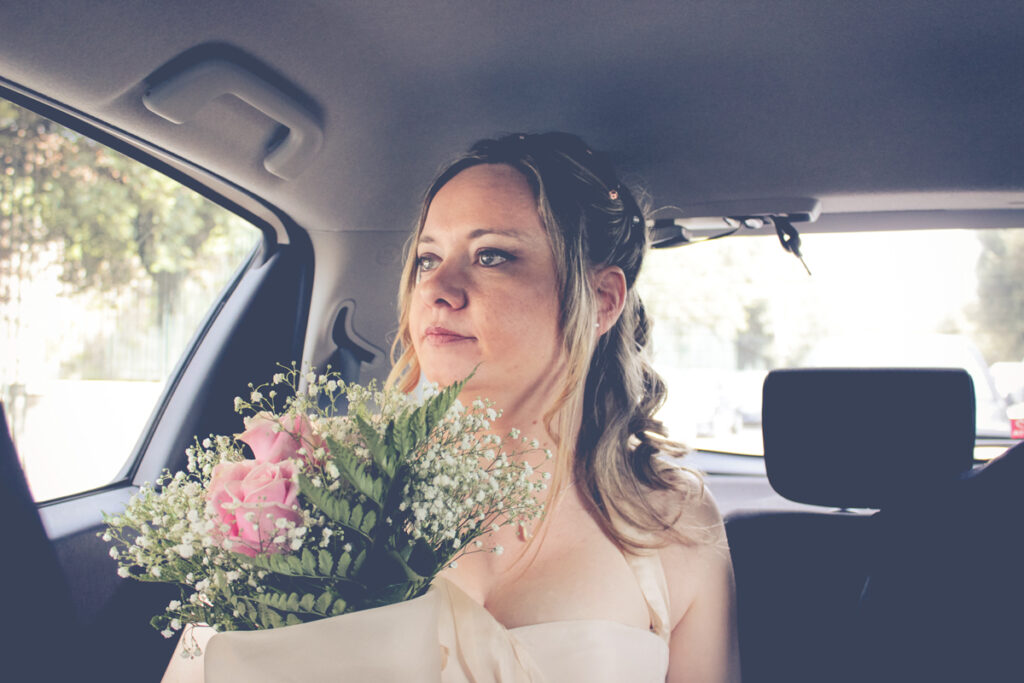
613, 194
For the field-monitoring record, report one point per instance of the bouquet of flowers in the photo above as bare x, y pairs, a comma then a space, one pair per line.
334, 513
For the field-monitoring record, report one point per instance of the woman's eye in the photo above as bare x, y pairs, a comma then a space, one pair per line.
488, 258
427, 262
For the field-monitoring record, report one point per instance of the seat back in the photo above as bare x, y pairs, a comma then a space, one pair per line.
846, 439
945, 599
42, 640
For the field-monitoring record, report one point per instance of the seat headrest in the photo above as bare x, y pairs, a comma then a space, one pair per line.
865, 437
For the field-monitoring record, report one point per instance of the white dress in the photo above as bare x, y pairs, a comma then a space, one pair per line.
447, 637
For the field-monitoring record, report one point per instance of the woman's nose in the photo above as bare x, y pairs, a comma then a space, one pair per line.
444, 286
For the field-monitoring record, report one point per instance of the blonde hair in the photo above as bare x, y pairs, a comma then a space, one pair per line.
592, 221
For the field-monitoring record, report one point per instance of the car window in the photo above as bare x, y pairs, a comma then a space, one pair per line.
728, 311
106, 270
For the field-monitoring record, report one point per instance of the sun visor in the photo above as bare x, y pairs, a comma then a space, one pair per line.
865, 437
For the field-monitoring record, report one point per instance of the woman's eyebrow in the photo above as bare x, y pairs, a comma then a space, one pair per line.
481, 232
502, 232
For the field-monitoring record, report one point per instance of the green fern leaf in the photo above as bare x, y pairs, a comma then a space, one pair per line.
344, 562
309, 563
326, 563
337, 508
269, 617
357, 563
356, 519
376, 445
323, 603
368, 522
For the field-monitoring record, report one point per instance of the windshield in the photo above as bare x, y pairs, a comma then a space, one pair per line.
728, 311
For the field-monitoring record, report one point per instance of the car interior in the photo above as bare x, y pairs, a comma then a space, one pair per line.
243, 177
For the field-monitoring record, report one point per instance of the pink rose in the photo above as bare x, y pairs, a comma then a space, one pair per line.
268, 446
249, 497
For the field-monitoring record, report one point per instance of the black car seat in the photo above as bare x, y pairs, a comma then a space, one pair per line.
41, 639
945, 599
849, 441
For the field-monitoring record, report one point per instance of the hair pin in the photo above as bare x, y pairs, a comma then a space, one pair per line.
613, 194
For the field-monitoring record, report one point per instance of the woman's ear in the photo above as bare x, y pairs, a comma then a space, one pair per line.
610, 287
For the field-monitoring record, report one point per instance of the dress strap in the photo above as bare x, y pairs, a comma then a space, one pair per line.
650, 575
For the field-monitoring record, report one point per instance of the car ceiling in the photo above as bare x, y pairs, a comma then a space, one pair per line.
870, 105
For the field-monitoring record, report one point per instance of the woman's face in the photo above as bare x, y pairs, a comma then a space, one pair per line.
486, 290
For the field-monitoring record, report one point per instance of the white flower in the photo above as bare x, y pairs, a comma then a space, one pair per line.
255, 397
167, 633
113, 552
498, 550
174, 604
278, 378
123, 572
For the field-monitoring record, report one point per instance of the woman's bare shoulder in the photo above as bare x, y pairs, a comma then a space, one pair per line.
695, 556
689, 503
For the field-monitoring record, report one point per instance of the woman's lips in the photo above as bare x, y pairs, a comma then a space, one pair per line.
441, 335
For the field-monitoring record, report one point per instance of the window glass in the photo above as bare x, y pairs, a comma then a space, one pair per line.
728, 311
106, 269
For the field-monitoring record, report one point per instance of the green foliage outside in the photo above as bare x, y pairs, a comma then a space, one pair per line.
116, 230
999, 314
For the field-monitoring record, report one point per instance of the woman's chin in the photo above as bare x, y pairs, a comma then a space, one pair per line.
447, 375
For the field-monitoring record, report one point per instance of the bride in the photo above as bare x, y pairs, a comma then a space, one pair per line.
523, 266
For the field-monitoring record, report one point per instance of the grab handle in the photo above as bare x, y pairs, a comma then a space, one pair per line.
179, 98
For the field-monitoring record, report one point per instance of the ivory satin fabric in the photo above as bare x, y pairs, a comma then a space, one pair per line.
447, 637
